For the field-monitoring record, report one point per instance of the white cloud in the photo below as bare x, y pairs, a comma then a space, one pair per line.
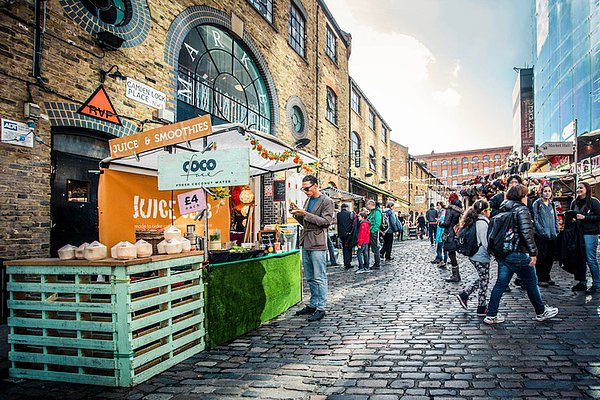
456, 69
448, 97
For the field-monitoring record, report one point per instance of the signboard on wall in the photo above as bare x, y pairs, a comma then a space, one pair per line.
229, 167
278, 190
164, 136
99, 106
420, 199
527, 124
557, 148
144, 94
17, 133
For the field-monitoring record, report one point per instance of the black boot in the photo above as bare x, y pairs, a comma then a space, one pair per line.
455, 275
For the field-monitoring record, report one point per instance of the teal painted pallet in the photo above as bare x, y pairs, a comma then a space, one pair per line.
138, 320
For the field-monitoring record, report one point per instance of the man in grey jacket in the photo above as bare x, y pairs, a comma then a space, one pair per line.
315, 218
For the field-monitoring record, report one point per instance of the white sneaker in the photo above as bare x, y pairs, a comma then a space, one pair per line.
498, 319
361, 271
548, 313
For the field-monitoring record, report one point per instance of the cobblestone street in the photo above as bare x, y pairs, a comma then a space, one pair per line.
394, 333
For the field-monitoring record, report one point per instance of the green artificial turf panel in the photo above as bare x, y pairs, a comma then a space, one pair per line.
242, 296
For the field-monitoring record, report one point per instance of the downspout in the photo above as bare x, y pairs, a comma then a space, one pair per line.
317, 85
350, 135
38, 39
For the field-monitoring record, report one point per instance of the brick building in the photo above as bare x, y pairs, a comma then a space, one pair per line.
452, 168
369, 148
279, 67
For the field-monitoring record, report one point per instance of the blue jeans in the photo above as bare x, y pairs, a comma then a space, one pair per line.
331, 250
363, 256
315, 272
591, 255
516, 263
439, 250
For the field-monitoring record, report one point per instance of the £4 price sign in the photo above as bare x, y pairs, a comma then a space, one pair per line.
190, 202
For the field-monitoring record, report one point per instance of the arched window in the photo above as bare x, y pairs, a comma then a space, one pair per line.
372, 159
497, 157
454, 161
217, 76
112, 12
465, 160
331, 112
475, 159
444, 162
486, 158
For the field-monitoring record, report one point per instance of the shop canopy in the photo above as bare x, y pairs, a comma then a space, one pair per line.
341, 195
549, 175
227, 136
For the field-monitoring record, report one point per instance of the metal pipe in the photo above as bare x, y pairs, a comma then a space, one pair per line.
38, 39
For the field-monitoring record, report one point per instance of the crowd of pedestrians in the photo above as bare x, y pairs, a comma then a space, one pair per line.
520, 233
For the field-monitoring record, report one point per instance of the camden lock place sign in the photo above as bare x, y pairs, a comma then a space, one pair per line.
164, 136
214, 168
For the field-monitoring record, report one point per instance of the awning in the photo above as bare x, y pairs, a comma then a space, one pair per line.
375, 189
338, 194
549, 174
228, 136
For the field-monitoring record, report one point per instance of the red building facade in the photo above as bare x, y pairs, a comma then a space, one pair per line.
453, 168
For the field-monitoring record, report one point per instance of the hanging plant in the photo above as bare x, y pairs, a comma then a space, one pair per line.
219, 192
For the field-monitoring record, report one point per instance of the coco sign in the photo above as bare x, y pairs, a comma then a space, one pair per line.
194, 170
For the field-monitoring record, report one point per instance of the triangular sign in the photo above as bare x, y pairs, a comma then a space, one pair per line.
100, 107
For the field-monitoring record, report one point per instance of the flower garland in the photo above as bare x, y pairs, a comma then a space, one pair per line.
308, 168
219, 192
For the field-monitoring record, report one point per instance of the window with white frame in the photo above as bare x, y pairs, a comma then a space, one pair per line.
331, 44
355, 102
383, 134
372, 159
384, 168
331, 111
296, 33
264, 8
371, 119
444, 173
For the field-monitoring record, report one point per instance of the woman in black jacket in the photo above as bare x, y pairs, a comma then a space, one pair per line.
452, 218
588, 217
520, 261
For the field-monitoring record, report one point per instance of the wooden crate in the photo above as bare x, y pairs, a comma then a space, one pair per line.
109, 323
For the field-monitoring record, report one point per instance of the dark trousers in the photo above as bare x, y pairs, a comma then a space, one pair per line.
453, 260
421, 231
374, 247
545, 258
346, 251
432, 229
386, 249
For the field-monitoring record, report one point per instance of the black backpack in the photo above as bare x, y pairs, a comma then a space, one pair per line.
385, 222
466, 240
502, 237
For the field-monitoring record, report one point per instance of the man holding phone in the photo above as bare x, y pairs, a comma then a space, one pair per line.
315, 218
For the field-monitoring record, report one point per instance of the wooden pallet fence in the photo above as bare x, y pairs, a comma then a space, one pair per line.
111, 325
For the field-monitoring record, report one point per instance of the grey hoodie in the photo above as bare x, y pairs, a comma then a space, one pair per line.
482, 254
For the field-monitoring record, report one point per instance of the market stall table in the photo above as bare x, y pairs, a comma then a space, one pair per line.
108, 322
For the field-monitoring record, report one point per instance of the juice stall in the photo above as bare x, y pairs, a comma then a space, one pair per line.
117, 321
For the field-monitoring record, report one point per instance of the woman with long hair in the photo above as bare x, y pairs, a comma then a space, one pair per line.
587, 210
478, 214
452, 218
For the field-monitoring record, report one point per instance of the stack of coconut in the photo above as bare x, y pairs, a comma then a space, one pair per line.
174, 243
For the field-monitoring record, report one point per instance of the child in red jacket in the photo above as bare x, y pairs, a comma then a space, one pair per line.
364, 235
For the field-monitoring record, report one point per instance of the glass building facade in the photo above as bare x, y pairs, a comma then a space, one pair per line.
567, 70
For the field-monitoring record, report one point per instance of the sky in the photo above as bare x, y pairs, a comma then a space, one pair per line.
440, 72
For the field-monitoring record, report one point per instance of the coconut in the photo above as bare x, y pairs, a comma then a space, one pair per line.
186, 245
113, 250
79, 251
67, 252
126, 251
173, 246
172, 232
95, 251
144, 249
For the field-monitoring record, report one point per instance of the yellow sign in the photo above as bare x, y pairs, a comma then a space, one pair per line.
164, 136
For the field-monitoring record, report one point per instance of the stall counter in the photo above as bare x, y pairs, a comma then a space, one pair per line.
242, 295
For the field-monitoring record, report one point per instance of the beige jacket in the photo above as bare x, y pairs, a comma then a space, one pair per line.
315, 224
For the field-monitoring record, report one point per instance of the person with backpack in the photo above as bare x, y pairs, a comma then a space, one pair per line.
510, 240
388, 236
545, 222
474, 230
345, 222
451, 220
439, 232
364, 238
587, 209
375, 220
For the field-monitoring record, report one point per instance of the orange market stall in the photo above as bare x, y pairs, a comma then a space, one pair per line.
247, 287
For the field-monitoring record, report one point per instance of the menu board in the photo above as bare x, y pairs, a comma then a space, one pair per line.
278, 190
268, 237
